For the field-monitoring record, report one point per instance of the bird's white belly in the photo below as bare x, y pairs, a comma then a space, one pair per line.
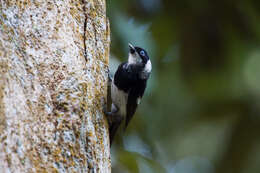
119, 99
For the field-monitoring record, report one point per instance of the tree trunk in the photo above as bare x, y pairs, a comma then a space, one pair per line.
53, 82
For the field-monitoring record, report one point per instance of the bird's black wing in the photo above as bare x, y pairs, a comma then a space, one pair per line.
127, 79
136, 92
122, 79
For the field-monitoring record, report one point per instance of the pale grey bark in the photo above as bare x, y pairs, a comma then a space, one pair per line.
53, 81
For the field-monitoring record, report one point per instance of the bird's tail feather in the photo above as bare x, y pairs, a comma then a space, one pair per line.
112, 130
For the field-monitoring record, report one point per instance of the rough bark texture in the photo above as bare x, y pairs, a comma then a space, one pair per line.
53, 63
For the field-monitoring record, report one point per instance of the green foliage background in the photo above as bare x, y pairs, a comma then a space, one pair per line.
201, 111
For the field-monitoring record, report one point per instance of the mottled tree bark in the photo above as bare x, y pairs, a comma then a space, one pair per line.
53, 81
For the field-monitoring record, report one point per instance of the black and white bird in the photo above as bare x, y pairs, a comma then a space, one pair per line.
127, 88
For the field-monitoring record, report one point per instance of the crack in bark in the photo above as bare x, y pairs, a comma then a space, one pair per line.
84, 38
95, 33
85, 29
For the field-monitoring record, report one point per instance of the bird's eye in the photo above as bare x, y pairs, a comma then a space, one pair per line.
142, 53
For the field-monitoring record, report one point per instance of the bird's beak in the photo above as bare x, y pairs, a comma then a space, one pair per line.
131, 48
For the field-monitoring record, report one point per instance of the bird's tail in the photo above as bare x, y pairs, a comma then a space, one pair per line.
113, 128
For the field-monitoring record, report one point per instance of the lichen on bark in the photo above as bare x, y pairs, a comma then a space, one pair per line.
53, 82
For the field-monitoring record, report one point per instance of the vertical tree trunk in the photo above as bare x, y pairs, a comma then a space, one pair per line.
53, 63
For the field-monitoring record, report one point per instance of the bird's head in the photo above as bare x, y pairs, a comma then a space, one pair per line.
137, 55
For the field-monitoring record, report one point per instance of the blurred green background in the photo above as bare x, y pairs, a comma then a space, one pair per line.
201, 110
